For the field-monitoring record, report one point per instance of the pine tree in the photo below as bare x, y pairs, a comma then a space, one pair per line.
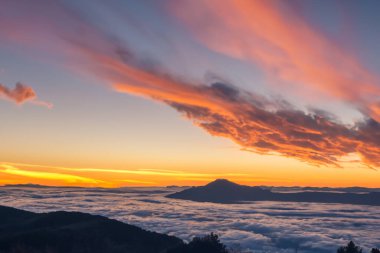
350, 248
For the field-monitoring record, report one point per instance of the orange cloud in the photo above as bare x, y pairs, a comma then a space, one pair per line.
21, 94
254, 122
283, 45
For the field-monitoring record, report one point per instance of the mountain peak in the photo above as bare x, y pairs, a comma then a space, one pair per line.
225, 191
219, 191
221, 182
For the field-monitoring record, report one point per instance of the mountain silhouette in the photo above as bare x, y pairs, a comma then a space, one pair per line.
224, 191
221, 191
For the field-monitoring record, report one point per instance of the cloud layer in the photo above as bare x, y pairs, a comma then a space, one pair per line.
255, 227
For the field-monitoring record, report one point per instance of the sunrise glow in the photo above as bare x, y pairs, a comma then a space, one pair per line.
259, 92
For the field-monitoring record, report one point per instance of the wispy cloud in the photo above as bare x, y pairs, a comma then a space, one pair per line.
142, 172
65, 178
284, 45
132, 181
22, 94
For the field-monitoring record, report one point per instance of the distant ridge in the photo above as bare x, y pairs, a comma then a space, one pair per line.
26, 185
37, 186
225, 191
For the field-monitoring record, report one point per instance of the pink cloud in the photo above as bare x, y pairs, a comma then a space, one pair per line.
283, 45
22, 94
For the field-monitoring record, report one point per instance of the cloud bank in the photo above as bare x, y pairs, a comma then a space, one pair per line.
253, 227
256, 123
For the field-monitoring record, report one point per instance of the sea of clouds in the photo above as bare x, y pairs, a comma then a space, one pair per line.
251, 227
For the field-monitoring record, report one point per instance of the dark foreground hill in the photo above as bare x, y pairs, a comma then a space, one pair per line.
224, 191
66, 232
74, 232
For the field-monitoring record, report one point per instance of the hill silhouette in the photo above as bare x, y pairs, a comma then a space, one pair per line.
75, 232
224, 191
22, 231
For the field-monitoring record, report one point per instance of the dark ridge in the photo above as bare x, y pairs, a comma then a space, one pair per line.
69, 232
75, 232
38, 186
224, 191
10, 215
26, 185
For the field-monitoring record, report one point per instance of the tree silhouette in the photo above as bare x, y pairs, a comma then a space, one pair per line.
207, 244
375, 250
210, 244
350, 248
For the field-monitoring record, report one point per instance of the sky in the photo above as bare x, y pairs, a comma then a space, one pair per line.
143, 93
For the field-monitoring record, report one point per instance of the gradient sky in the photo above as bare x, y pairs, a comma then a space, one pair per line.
121, 93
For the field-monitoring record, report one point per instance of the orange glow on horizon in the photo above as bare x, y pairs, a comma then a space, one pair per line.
16, 173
